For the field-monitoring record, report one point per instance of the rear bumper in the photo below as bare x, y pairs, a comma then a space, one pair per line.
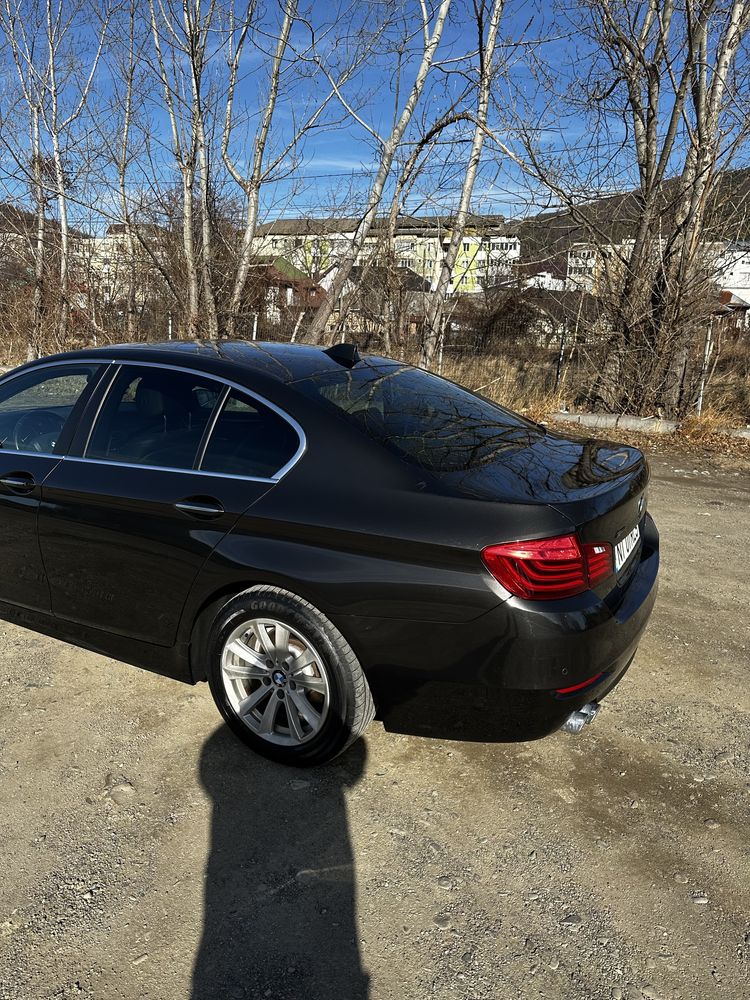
515, 673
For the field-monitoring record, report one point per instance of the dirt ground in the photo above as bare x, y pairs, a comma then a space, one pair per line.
147, 855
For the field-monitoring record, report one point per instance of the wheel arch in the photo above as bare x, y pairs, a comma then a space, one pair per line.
203, 617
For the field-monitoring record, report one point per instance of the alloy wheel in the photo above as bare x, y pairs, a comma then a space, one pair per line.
276, 681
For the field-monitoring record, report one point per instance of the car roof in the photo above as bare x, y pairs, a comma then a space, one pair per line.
281, 362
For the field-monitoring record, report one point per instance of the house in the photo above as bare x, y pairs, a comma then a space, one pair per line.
548, 273
376, 297
110, 262
276, 291
583, 262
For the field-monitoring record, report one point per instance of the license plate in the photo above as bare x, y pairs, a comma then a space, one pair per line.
625, 548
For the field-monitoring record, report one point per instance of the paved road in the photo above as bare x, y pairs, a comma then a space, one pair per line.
147, 856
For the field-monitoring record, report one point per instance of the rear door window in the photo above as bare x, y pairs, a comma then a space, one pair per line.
154, 417
249, 439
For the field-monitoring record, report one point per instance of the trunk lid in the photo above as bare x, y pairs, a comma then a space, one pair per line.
599, 486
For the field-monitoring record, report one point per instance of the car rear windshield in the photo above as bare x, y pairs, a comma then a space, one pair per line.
427, 420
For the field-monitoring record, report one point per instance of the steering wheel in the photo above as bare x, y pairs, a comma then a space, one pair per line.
34, 426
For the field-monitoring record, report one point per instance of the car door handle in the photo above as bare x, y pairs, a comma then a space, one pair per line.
19, 483
200, 507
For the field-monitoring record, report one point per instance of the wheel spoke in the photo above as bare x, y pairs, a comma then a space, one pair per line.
281, 640
244, 672
269, 715
305, 709
295, 722
305, 659
254, 665
249, 703
261, 630
310, 683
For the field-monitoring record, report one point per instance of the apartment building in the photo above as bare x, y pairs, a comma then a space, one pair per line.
727, 262
583, 265
488, 250
733, 269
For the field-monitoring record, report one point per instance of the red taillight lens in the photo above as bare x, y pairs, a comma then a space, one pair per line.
599, 566
548, 569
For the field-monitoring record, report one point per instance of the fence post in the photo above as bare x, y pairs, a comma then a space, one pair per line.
561, 352
704, 369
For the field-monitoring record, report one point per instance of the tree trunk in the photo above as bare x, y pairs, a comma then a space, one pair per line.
33, 348
388, 151
192, 319
434, 326
206, 256
63, 304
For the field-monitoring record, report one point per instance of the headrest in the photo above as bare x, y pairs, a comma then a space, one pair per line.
152, 401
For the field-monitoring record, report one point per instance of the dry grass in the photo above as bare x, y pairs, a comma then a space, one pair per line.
709, 425
524, 388
528, 388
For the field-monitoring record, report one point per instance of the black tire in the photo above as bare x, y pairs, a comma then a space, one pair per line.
350, 709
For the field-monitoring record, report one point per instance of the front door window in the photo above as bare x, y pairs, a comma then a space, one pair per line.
35, 406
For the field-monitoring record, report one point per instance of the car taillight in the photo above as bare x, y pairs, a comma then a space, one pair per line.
547, 569
599, 566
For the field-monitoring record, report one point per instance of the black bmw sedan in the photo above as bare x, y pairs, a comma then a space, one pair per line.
324, 537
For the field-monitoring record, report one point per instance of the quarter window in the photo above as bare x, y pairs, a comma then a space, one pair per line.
35, 406
154, 416
249, 439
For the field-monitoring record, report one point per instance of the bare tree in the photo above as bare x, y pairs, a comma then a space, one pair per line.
260, 166
33, 80
251, 184
181, 32
125, 97
487, 25
69, 84
388, 145
56, 49
661, 87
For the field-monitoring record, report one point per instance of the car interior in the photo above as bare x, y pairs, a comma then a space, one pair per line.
249, 439
155, 417
160, 419
154, 421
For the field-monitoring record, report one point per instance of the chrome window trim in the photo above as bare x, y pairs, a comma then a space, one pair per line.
218, 409
160, 468
108, 381
127, 363
32, 367
31, 454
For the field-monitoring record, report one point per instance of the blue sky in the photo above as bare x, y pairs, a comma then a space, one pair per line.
338, 161
333, 167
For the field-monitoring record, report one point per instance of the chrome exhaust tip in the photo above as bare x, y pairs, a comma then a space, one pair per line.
577, 720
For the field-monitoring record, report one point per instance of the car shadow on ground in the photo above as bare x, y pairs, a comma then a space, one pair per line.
279, 911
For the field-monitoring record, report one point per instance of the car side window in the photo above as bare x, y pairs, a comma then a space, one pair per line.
35, 406
155, 417
249, 439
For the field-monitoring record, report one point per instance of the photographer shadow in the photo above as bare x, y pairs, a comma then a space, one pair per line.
279, 911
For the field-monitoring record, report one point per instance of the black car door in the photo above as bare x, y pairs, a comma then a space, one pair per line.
126, 524
39, 407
